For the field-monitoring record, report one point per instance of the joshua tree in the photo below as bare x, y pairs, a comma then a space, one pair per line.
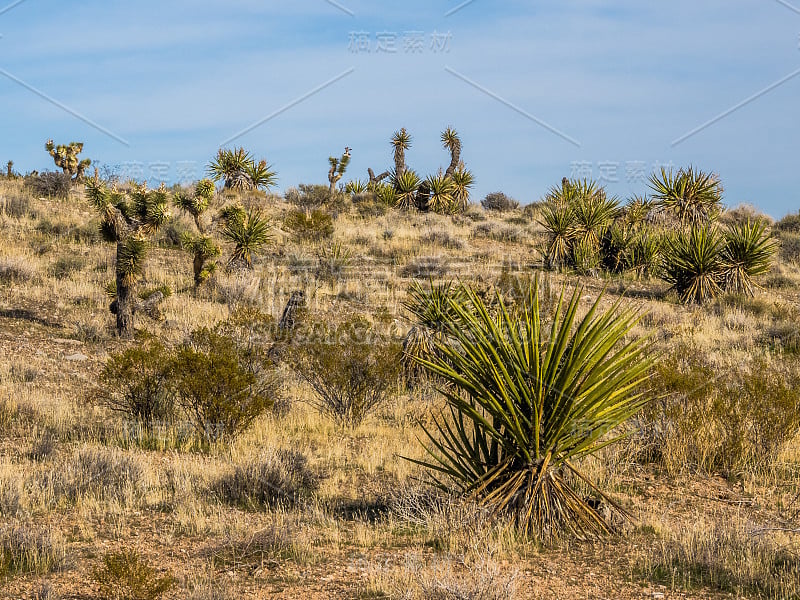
401, 142
10, 169
338, 167
240, 170
202, 246
452, 142
66, 158
128, 218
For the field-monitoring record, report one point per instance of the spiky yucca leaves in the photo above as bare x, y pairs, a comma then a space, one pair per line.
430, 310
452, 142
401, 141
594, 212
585, 257
249, 235
694, 197
528, 402
692, 263
440, 190
197, 202
241, 171
616, 247
261, 175
558, 219
644, 253
405, 187
636, 212
463, 180
748, 253
356, 187
128, 217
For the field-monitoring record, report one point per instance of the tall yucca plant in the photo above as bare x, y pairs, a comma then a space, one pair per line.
528, 402
748, 253
401, 141
693, 196
692, 263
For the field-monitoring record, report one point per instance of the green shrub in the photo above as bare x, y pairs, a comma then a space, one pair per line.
276, 478
67, 265
136, 383
526, 401
499, 202
221, 386
350, 368
125, 575
314, 226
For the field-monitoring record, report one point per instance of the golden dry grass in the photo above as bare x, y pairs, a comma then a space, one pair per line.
76, 472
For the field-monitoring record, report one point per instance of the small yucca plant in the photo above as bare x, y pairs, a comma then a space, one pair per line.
406, 186
528, 401
748, 253
693, 196
463, 180
249, 233
440, 193
559, 221
692, 263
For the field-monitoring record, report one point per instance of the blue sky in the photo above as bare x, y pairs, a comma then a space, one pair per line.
537, 90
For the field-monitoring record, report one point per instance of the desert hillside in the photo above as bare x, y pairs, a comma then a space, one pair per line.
207, 443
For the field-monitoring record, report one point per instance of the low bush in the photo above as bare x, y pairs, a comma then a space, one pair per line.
221, 387
730, 419
126, 575
67, 265
350, 368
135, 383
15, 206
103, 474
276, 478
312, 226
49, 183
499, 202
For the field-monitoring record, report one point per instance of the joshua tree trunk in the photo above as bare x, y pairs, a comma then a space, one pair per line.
10, 167
399, 160
125, 303
455, 158
376, 179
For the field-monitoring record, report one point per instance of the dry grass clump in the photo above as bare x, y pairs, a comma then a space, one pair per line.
736, 558
16, 270
277, 477
730, 418
28, 549
99, 473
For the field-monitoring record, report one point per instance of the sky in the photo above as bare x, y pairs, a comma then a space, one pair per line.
608, 90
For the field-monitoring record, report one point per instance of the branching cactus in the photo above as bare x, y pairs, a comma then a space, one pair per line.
201, 245
66, 158
338, 168
128, 218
